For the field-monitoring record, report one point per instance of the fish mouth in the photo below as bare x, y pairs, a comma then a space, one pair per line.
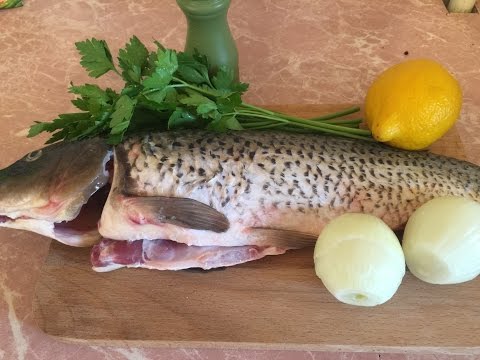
85, 224
82, 229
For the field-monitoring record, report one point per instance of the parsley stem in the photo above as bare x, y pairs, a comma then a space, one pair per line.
262, 127
252, 107
312, 124
296, 130
308, 123
343, 122
262, 116
193, 87
328, 131
350, 125
334, 115
337, 114
254, 124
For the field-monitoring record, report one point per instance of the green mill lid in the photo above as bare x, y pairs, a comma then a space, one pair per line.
203, 7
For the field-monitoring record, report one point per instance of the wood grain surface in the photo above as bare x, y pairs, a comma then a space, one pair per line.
273, 303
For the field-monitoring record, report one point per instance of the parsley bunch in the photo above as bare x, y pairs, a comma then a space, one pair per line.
167, 90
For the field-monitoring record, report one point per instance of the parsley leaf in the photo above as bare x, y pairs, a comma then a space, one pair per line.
166, 61
156, 81
200, 58
67, 124
166, 65
121, 116
191, 74
194, 99
191, 70
181, 118
38, 128
132, 90
150, 65
204, 106
228, 104
133, 60
96, 57
225, 123
207, 109
164, 99
225, 80
92, 98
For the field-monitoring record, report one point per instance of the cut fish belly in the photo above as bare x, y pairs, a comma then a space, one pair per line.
169, 255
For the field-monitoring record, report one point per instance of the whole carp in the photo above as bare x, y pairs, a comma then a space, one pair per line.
201, 199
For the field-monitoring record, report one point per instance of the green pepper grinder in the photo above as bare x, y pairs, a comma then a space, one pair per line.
209, 33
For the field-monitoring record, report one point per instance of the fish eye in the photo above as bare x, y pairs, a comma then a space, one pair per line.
34, 155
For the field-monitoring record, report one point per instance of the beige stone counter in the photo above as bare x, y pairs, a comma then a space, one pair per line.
292, 52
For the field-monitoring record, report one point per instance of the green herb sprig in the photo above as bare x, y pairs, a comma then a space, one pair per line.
10, 4
168, 90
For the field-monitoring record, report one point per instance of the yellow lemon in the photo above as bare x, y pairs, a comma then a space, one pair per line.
413, 104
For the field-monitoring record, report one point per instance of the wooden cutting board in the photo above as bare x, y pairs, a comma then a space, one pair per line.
273, 303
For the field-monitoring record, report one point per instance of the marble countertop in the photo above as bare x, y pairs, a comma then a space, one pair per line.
291, 52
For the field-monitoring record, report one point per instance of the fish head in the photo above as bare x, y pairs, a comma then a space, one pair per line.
52, 184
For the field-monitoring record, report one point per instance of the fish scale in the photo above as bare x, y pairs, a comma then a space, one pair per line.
279, 181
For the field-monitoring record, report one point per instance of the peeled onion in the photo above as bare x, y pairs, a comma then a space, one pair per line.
442, 241
359, 260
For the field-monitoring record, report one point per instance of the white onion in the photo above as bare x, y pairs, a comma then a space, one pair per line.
442, 241
359, 260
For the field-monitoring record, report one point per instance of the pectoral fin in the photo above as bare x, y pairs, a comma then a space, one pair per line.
184, 212
287, 239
